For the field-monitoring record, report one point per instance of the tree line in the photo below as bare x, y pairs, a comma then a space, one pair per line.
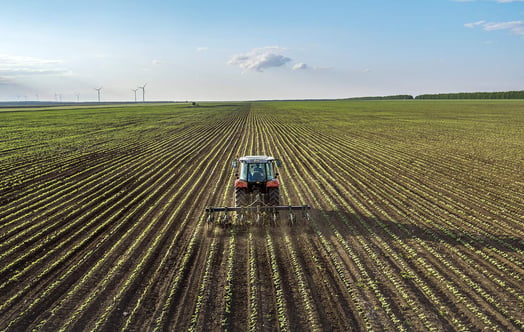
459, 95
475, 95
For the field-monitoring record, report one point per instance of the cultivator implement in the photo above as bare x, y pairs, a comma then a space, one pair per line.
256, 214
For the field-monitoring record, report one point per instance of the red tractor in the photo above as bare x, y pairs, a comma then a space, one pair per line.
257, 195
257, 180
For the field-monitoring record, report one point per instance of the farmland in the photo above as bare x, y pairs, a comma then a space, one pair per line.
417, 218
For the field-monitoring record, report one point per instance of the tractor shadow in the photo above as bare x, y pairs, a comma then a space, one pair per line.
350, 224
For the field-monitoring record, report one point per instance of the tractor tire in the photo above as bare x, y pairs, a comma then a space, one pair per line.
273, 196
241, 197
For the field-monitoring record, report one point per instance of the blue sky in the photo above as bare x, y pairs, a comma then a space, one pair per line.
244, 50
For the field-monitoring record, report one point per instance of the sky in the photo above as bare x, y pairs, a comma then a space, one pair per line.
196, 50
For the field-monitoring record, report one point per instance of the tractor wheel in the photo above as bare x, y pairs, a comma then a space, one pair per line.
273, 196
241, 197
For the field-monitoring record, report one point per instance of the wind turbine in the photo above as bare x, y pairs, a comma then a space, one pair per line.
98, 91
135, 90
143, 92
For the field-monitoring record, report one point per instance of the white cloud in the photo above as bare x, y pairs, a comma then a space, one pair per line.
13, 65
259, 59
300, 66
15, 60
474, 24
515, 27
202, 49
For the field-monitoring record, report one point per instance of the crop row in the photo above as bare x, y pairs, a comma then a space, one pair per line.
143, 207
368, 204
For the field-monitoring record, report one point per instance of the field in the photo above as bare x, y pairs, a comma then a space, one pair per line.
417, 217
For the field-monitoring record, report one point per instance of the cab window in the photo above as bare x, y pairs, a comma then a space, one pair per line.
256, 172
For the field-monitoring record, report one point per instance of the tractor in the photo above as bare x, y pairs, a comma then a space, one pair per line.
257, 194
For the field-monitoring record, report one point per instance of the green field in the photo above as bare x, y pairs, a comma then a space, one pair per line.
417, 217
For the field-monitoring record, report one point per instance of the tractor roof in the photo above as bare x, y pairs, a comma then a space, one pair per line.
256, 159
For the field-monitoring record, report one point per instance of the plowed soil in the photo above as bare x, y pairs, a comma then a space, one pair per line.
102, 224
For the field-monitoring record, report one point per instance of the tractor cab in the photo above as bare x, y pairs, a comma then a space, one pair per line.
256, 169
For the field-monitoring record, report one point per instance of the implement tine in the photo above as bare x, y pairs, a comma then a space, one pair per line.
307, 216
241, 217
210, 216
258, 217
274, 215
226, 220
292, 217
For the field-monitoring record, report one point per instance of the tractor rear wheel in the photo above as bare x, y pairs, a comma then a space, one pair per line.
241, 197
273, 196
